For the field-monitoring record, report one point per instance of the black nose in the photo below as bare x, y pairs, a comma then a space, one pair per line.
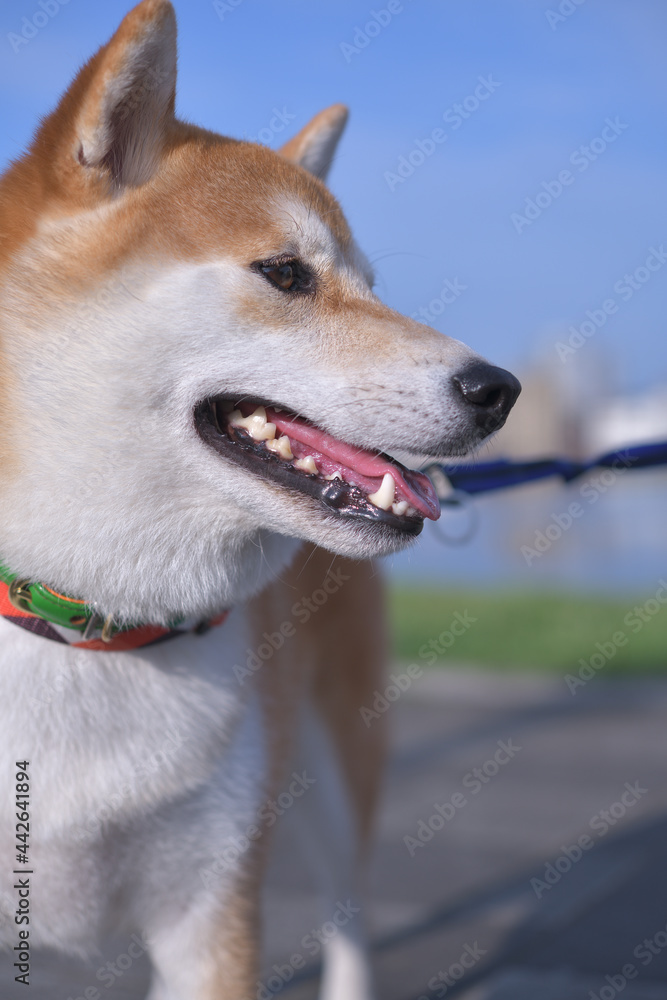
492, 391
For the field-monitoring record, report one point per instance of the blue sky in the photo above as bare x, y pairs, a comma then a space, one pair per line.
554, 85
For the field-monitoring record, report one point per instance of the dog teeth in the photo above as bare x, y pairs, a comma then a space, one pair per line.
256, 424
384, 497
307, 464
281, 446
334, 475
400, 507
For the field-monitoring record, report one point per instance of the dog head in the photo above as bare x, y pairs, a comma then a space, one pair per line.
195, 368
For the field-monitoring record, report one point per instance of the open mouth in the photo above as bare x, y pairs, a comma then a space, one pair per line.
349, 482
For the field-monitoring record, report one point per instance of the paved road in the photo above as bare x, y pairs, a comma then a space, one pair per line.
500, 886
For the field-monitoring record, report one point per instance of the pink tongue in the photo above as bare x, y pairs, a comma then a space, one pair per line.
412, 486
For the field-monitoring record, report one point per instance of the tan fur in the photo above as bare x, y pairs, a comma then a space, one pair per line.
178, 222
350, 666
321, 133
233, 939
336, 659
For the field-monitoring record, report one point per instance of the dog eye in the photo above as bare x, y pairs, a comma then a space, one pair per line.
287, 275
282, 275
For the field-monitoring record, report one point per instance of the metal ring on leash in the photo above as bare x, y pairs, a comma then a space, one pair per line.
460, 499
449, 496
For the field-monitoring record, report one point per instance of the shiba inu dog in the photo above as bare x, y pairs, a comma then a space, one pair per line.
199, 394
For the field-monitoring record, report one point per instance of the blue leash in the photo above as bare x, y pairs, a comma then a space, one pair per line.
455, 484
487, 476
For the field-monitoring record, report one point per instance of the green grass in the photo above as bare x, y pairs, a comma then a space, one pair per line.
541, 631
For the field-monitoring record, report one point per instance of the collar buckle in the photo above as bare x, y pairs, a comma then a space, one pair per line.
20, 596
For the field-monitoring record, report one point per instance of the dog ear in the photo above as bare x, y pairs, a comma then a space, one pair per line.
113, 120
315, 145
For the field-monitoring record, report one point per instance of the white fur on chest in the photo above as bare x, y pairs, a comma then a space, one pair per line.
118, 744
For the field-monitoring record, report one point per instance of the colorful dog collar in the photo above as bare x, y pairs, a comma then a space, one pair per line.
45, 612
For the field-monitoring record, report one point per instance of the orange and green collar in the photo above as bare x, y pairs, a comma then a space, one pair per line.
45, 612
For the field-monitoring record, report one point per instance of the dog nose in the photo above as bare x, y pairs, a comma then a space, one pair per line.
492, 391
